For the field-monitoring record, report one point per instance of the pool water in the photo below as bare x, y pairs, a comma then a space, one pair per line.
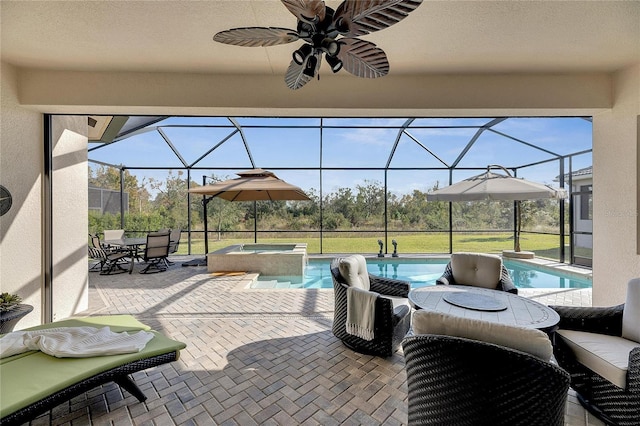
423, 272
265, 248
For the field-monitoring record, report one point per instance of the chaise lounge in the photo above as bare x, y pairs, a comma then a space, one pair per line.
34, 382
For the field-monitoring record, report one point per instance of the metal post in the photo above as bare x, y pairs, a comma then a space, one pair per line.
450, 216
122, 198
386, 218
47, 215
188, 212
562, 250
204, 209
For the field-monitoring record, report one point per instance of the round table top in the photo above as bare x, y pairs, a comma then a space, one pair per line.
519, 310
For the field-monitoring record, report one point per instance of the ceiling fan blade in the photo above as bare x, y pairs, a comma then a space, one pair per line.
295, 78
359, 17
312, 11
256, 36
363, 58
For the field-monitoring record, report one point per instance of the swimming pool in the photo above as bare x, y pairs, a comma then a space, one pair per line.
422, 272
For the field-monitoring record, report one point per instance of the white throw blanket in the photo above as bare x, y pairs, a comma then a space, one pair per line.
361, 310
73, 342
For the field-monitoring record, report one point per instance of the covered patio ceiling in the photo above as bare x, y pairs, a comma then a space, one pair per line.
439, 37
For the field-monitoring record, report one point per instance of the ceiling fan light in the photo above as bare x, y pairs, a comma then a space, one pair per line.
330, 46
342, 25
301, 54
310, 67
334, 63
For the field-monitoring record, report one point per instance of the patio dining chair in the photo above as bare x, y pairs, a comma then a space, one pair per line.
174, 243
108, 262
155, 252
113, 234
479, 270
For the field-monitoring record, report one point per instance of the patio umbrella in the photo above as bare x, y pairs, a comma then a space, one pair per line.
495, 186
252, 185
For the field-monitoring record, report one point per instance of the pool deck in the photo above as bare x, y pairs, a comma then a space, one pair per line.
253, 357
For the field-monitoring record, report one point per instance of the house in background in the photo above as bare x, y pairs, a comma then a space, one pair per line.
581, 181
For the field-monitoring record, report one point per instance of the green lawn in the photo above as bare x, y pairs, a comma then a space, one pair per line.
543, 245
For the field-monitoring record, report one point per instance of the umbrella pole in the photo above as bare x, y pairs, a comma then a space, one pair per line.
255, 221
205, 201
516, 240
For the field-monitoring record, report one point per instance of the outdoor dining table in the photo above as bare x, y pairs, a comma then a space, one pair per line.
130, 244
485, 304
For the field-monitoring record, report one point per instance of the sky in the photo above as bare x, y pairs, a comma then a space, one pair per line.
217, 147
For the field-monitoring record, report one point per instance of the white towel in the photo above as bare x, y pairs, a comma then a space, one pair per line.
73, 342
361, 312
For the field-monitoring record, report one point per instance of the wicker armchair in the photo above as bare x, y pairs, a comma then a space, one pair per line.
477, 269
391, 324
460, 381
593, 343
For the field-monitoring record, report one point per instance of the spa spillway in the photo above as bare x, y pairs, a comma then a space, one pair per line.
266, 259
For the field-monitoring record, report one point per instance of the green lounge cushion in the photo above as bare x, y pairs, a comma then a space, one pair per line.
27, 378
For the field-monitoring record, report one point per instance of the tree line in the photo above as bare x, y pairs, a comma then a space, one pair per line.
156, 204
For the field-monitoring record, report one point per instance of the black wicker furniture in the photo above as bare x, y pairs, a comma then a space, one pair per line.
456, 380
391, 323
34, 382
600, 347
477, 269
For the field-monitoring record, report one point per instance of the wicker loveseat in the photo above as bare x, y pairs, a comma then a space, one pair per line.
391, 323
479, 270
600, 347
463, 371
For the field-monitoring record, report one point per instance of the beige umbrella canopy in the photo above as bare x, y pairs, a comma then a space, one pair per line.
253, 185
495, 186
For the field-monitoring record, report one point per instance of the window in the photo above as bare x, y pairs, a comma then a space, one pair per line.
586, 203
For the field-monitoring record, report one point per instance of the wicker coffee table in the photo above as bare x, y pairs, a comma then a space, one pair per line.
484, 304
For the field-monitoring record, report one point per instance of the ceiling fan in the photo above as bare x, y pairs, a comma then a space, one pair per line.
333, 33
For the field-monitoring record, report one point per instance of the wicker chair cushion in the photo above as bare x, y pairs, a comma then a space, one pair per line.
354, 270
476, 269
532, 341
631, 313
606, 355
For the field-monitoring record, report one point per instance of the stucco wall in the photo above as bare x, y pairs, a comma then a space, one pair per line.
70, 219
21, 159
615, 191
21, 230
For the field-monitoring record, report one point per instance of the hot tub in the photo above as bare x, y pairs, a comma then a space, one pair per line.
266, 259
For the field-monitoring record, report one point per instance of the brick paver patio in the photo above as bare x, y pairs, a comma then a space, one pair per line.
253, 357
